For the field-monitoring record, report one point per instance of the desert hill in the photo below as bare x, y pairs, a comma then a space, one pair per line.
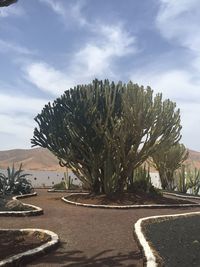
31, 159
43, 159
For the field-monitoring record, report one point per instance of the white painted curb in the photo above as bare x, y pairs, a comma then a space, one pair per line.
65, 191
50, 244
128, 206
148, 252
181, 196
35, 210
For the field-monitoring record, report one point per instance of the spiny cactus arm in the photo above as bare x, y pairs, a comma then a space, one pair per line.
4, 3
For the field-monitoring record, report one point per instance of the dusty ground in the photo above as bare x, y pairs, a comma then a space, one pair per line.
18, 242
90, 237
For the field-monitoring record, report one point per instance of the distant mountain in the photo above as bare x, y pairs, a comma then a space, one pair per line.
194, 158
31, 159
43, 159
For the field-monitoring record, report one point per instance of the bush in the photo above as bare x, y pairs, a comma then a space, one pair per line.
60, 186
15, 182
140, 181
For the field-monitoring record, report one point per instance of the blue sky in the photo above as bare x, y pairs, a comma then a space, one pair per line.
48, 46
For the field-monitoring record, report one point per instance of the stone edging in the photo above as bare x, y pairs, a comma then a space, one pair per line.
64, 191
35, 210
181, 196
149, 254
151, 206
11, 261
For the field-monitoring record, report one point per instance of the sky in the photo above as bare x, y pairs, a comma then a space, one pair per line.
49, 46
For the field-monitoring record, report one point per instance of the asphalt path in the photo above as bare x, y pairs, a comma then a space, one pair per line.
90, 237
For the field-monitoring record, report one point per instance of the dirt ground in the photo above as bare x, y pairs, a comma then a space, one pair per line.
90, 237
18, 242
126, 199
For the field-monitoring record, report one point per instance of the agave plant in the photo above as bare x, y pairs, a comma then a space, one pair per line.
15, 182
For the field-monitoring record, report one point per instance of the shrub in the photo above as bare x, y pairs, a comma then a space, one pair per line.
15, 182
140, 181
60, 186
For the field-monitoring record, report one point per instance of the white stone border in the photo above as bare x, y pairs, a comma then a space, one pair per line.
64, 191
151, 206
35, 210
181, 196
32, 252
148, 251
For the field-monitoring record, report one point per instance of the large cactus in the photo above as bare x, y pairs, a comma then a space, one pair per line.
194, 180
4, 3
102, 131
167, 159
181, 179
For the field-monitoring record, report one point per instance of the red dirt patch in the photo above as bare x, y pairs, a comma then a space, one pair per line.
19, 242
125, 199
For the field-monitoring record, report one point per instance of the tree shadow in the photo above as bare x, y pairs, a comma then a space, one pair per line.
104, 258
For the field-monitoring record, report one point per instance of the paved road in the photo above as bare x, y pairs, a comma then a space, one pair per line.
89, 237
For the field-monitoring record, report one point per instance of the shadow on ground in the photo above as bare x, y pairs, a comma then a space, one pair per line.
77, 258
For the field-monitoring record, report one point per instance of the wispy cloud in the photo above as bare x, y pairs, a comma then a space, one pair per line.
16, 131
178, 21
10, 104
7, 46
47, 78
95, 59
71, 13
16, 119
175, 84
12, 10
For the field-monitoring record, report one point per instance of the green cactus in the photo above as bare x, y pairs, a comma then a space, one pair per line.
102, 131
181, 179
194, 180
167, 159
68, 180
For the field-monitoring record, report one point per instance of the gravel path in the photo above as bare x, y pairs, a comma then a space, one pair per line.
90, 237
181, 233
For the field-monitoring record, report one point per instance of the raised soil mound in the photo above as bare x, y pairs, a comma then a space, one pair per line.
19, 242
14, 205
125, 199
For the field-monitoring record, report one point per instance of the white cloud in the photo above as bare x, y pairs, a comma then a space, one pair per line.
71, 13
12, 10
17, 120
7, 46
94, 59
57, 7
10, 104
47, 78
16, 132
175, 84
178, 21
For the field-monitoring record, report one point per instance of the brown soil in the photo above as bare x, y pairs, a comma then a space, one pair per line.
19, 207
19, 242
126, 199
89, 237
